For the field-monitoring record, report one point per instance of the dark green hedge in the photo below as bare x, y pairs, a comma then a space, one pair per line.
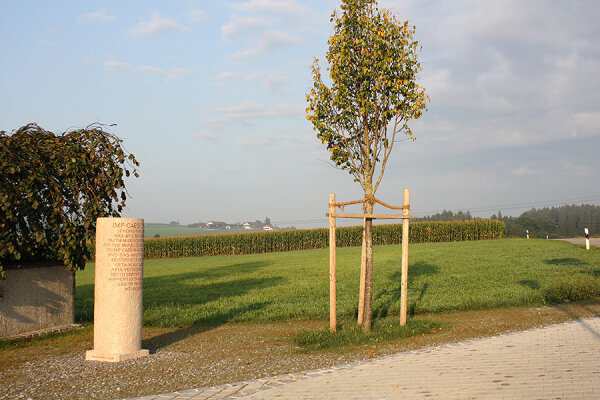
53, 187
267, 242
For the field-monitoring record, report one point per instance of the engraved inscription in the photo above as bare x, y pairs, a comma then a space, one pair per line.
125, 250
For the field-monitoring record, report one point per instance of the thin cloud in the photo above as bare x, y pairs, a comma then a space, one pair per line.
244, 109
100, 15
169, 75
252, 110
289, 8
114, 65
197, 15
173, 74
242, 26
249, 113
215, 122
524, 171
500, 88
206, 136
156, 25
259, 140
585, 124
269, 42
277, 83
227, 75
268, 139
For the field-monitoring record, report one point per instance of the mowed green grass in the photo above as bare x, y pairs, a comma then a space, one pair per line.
279, 286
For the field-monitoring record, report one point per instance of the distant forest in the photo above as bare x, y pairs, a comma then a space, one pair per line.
555, 222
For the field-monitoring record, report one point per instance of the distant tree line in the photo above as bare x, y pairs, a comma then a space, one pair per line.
555, 222
447, 216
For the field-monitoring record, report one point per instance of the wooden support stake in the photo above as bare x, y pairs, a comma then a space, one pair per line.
363, 271
404, 279
332, 289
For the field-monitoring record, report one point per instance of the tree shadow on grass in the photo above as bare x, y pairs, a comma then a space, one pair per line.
201, 325
535, 285
413, 307
194, 289
574, 262
188, 289
236, 269
388, 297
568, 261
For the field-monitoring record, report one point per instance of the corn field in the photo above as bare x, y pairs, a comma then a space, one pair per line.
268, 242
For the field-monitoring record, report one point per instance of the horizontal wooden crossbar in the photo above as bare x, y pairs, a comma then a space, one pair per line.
370, 216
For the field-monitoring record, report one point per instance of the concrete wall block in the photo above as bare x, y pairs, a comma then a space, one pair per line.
36, 298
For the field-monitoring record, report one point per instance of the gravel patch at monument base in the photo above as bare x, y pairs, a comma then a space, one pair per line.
73, 377
198, 361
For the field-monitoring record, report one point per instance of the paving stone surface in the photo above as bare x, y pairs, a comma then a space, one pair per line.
556, 362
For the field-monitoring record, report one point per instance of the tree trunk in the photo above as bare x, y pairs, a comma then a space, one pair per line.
368, 310
361, 292
368, 284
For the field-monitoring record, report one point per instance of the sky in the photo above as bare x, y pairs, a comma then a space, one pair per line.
210, 97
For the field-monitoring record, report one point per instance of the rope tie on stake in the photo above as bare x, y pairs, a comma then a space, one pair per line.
372, 198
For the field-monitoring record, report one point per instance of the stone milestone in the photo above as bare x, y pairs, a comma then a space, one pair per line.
118, 290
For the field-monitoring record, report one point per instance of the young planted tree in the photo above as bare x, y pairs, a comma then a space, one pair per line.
371, 97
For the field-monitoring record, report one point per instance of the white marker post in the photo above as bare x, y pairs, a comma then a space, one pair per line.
587, 239
527, 233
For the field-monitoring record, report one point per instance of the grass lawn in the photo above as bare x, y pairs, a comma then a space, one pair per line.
280, 286
188, 303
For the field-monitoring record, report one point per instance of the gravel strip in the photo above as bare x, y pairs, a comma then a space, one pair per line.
72, 377
202, 360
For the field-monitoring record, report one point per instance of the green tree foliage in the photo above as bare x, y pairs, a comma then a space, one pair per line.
563, 221
555, 222
53, 187
373, 68
538, 227
448, 216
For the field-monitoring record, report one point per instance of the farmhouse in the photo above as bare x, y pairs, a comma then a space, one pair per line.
270, 228
217, 225
253, 225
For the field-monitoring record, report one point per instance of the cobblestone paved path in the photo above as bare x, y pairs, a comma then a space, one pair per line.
556, 362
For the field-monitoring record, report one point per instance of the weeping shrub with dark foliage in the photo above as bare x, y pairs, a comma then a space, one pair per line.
53, 187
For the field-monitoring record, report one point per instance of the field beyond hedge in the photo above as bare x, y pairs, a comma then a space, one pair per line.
279, 286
